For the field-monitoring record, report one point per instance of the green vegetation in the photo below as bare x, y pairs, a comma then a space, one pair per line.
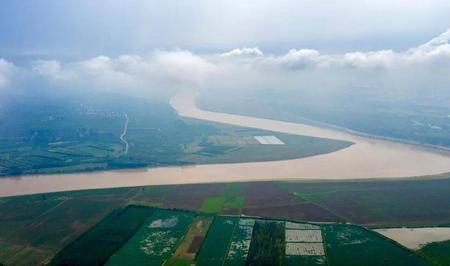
178, 262
38, 226
240, 242
34, 228
235, 145
229, 200
354, 245
155, 241
97, 245
267, 246
438, 252
215, 247
52, 134
305, 260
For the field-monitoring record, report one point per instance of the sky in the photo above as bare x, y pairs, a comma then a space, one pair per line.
85, 28
139, 47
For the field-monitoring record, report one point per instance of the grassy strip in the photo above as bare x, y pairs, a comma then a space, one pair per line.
215, 247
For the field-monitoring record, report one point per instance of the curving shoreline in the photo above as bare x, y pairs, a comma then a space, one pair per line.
366, 159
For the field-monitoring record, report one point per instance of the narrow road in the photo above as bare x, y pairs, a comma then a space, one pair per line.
124, 133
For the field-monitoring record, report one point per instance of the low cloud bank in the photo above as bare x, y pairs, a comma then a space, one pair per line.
7, 70
423, 67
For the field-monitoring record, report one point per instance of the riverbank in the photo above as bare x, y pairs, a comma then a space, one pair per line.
368, 158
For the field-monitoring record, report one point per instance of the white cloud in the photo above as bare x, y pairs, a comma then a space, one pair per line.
7, 70
247, 52
424, 66
51, 69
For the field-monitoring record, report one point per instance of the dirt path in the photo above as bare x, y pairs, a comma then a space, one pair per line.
124, 133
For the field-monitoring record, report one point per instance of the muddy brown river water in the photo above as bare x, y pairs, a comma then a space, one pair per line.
367, 158
415, 238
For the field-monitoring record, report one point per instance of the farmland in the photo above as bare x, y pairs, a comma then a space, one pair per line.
33, 229
381, 203
268, 243
215, 246
87, 133
438, 252
98, 244
229, 201
188, 248
353, 245
165, 240
155, 241
240, 242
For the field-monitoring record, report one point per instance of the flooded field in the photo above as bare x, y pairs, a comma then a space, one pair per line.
367, 158
415, 238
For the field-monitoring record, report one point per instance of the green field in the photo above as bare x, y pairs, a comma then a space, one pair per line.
229, 200
170, 237
215, 247
155, 241
240, 242
35, 228
97, 245
305, 260
354, 245
438, 252
268, 244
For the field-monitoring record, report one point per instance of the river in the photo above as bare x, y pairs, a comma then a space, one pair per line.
415, 238
367, 158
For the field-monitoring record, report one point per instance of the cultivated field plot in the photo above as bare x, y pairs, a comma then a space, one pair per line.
97, 245
301, 226
230, 201
240, 242
282, 204
304, 244
305, 260
35, 228
295, 235
215, 247
381, 203
438, 252
193, 239
304, 249
237, 144
155, 241
270, 140
354, 245
267, 246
